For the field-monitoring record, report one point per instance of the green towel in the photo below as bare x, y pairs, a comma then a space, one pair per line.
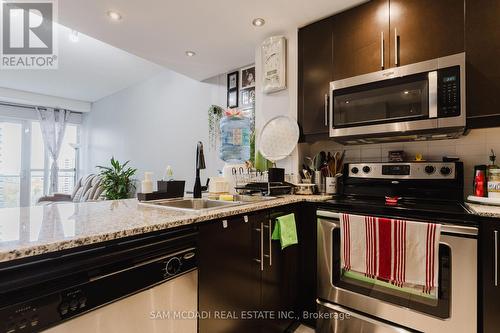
285, 230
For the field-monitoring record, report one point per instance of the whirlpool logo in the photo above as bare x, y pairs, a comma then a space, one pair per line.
28, 35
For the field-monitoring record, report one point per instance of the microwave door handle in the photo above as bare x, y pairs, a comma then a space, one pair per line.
433, 94
326, 109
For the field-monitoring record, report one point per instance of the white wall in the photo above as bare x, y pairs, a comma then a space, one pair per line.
153, 124
280, 103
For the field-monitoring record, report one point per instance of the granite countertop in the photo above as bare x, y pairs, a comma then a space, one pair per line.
484, 210
30, 231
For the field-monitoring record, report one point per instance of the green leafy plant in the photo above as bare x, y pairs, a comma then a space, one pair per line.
117, 180
215, 113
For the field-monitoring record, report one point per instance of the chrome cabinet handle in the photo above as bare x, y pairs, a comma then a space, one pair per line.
270, 243
396, 58
261, 246
382, 55
326, 109
495, 255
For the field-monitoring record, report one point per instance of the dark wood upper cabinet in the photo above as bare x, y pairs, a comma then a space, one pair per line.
482, 44
361, 40
315, 74
425, 29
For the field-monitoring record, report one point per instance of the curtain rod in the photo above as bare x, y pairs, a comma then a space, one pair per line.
25, 106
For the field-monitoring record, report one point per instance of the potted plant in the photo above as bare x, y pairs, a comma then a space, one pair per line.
116, 180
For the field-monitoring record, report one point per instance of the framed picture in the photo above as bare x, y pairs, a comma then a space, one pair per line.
232, 98
247, 98
232, 81
248, 77
273, 64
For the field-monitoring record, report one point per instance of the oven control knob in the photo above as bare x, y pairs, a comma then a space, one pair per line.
445, 171
366, 169
354, 170
429, 169
173, 266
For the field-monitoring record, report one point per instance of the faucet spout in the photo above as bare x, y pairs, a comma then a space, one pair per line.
200, 164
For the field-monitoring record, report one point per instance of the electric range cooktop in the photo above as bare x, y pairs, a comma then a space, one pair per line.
425, 190
446, 211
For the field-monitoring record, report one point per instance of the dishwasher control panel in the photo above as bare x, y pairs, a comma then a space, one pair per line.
100, 287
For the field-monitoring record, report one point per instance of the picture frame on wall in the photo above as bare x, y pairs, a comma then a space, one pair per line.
232, 80
232, 89
232, 98
247, 77
273, 51
247, 98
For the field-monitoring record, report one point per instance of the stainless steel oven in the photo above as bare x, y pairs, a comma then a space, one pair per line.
425, 100
349, 305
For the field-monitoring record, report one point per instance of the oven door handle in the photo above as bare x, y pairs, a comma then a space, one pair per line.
452, 229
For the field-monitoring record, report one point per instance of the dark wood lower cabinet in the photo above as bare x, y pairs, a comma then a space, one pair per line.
229, 280
233, 282
489, 276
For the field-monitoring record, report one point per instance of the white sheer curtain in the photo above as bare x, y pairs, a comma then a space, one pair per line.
53, 124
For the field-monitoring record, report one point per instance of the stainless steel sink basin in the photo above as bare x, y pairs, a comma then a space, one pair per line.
200, 205
193, 204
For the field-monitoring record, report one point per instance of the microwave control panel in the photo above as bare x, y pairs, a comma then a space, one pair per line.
449, 92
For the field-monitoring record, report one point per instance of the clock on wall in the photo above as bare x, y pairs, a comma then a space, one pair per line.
274, 64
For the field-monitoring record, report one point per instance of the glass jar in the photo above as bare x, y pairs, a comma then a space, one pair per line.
494, 183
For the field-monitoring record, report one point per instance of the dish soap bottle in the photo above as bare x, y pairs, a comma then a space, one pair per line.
147, 183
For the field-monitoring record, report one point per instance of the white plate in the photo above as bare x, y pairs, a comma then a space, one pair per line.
483, 200
279, 138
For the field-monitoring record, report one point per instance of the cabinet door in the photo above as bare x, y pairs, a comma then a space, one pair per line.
490, 256
229, 278
315, 75
425, 29
482, 43
361, 40
280, 289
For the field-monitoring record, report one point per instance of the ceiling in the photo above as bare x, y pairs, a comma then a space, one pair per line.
219, 31
88, 70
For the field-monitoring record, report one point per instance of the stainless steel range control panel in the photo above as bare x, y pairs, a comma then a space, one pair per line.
420, 170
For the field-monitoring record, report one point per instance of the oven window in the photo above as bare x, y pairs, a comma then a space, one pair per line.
439, 307
399, 99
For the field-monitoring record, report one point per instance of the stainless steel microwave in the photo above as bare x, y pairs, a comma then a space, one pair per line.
421, 101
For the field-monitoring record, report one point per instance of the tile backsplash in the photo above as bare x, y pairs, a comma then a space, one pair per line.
472, 149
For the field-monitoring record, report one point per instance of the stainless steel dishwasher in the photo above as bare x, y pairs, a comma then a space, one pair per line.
147, 283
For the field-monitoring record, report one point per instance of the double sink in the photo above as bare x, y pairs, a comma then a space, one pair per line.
203, 205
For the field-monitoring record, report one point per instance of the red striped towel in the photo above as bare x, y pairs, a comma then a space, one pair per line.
396, 251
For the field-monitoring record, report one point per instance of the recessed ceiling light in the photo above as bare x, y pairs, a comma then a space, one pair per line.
190, 53
406, 92
74, 36
258, 22
115, 16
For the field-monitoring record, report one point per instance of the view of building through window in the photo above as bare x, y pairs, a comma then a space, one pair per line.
19, 190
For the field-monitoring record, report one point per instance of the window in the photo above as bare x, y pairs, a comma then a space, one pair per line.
10, 163
22, 148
